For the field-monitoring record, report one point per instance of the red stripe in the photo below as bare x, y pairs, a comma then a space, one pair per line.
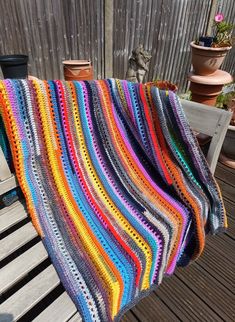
92, 200
154, 137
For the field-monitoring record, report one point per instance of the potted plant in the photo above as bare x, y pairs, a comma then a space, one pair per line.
226, 100
208, 52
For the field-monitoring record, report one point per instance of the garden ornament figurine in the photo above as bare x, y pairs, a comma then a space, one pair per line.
138, 65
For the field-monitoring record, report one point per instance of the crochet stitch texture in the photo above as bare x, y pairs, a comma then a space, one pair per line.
115, 183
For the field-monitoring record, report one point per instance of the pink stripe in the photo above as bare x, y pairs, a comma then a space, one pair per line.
158, 189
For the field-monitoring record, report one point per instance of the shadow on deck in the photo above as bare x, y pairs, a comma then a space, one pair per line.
205, 290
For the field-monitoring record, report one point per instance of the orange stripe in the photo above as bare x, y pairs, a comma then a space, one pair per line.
129, 164
64, 182
177, 177
17, 154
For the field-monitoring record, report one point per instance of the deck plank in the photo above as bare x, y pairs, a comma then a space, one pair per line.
230, 207
231, 228
184, 302
228, 191
129, 317
218, 266
223, 247
220, 249
151, 307
225, 174
228, 241
209, 290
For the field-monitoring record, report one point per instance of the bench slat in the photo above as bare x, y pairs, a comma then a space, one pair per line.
16, 240
21, 266
30, 294
76, 318
13, 216
9, 208
61, 310
8, 184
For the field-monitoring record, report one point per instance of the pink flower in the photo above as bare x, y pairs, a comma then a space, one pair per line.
219, 17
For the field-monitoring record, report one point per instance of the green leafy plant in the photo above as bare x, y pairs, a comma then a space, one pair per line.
223, 32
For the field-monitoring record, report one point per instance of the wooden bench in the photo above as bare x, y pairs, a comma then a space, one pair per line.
30, 289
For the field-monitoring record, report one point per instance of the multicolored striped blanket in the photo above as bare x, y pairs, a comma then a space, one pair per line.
115, 183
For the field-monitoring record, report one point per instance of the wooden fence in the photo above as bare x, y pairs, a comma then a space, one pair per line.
106, 31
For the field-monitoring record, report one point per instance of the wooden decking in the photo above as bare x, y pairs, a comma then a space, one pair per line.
204, 291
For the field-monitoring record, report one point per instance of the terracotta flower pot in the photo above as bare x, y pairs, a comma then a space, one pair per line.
205, 89
207, 60
77, 70
205, 94
164, 85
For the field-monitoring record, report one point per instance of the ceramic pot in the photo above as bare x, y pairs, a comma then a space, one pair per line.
206, 41
207, 60
205, 89
205, 94
14, 66
164, 85
77, 70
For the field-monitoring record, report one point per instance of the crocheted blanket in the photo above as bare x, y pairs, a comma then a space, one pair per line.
115, 184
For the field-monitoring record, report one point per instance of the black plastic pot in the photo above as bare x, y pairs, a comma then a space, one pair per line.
14, 66
206, 41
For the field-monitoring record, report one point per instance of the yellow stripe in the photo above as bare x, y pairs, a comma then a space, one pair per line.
82, 231
107, 201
